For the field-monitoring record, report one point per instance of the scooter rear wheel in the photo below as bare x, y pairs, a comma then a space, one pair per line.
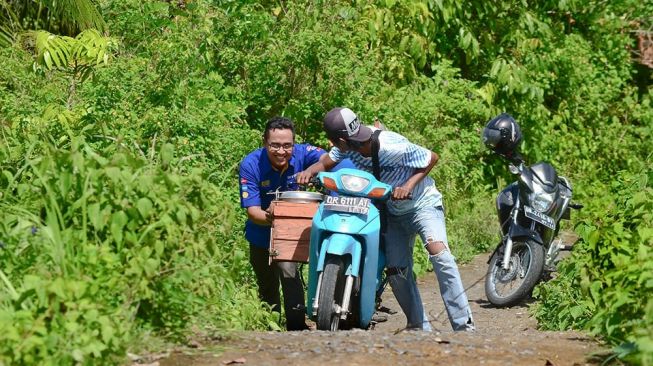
331, 294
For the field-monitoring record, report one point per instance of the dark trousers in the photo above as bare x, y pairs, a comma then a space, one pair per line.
268, 278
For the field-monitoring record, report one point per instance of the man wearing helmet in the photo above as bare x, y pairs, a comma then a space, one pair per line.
415, 208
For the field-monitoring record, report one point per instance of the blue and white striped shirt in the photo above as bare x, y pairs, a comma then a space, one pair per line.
398, 160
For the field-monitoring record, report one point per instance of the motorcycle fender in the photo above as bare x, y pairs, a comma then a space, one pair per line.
519, 232
566, 214
341, 244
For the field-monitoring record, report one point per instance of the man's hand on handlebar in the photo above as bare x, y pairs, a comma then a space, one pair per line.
401, 193
304, 177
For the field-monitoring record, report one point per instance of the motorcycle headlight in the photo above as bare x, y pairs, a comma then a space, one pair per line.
541, 201
353, 183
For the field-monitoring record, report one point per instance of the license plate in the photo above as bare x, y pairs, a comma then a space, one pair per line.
358, 205
540, 217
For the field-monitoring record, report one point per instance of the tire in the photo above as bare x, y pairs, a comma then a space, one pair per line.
331, 293
526, 266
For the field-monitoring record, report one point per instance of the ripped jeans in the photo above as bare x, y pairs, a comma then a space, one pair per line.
400, 237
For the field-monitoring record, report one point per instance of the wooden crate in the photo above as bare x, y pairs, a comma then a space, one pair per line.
291, 230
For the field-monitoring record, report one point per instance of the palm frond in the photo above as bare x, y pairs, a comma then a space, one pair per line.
91, 47
66, 17
87, 50
8, 14
52, 51
9, 23
7, 36
75, 15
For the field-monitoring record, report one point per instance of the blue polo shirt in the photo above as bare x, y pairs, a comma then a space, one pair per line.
258, 178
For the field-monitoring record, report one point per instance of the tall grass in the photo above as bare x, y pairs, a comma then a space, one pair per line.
118, 244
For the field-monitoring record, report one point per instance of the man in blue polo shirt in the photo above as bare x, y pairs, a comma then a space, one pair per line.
263, 171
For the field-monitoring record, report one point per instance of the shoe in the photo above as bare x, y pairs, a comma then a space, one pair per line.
311, 325
387, 310
299, 328
379, 318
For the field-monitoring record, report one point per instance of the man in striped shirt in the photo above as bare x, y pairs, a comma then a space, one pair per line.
415, 208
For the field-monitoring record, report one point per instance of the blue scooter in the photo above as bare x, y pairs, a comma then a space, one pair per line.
345, 261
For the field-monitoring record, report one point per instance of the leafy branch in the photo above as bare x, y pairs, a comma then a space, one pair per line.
77, 56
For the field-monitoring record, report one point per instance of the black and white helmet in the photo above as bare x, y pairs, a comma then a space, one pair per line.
502, 134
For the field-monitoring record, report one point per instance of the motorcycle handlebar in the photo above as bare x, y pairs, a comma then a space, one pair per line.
315, 182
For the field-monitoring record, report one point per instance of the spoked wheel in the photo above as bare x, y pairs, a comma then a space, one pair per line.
508, 287
331, 293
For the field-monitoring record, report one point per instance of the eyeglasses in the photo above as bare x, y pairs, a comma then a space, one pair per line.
276, 147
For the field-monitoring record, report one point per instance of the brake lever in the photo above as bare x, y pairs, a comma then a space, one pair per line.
314, 182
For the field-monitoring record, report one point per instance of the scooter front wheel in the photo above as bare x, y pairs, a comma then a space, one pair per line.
331, 294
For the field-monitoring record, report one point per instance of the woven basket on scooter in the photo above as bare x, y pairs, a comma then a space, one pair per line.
292, 216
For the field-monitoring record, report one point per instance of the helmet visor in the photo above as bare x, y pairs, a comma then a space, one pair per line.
491, 137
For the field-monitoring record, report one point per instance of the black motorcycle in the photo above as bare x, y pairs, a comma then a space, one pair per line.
529, 211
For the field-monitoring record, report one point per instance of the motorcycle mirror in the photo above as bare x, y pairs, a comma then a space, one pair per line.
513, 169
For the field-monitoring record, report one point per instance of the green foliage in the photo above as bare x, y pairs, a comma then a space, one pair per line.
89, 48
118, 156
605, 287
108, 212
67, 17
413, 37
297, 62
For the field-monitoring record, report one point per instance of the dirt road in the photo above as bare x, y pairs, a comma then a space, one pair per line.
503, 337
